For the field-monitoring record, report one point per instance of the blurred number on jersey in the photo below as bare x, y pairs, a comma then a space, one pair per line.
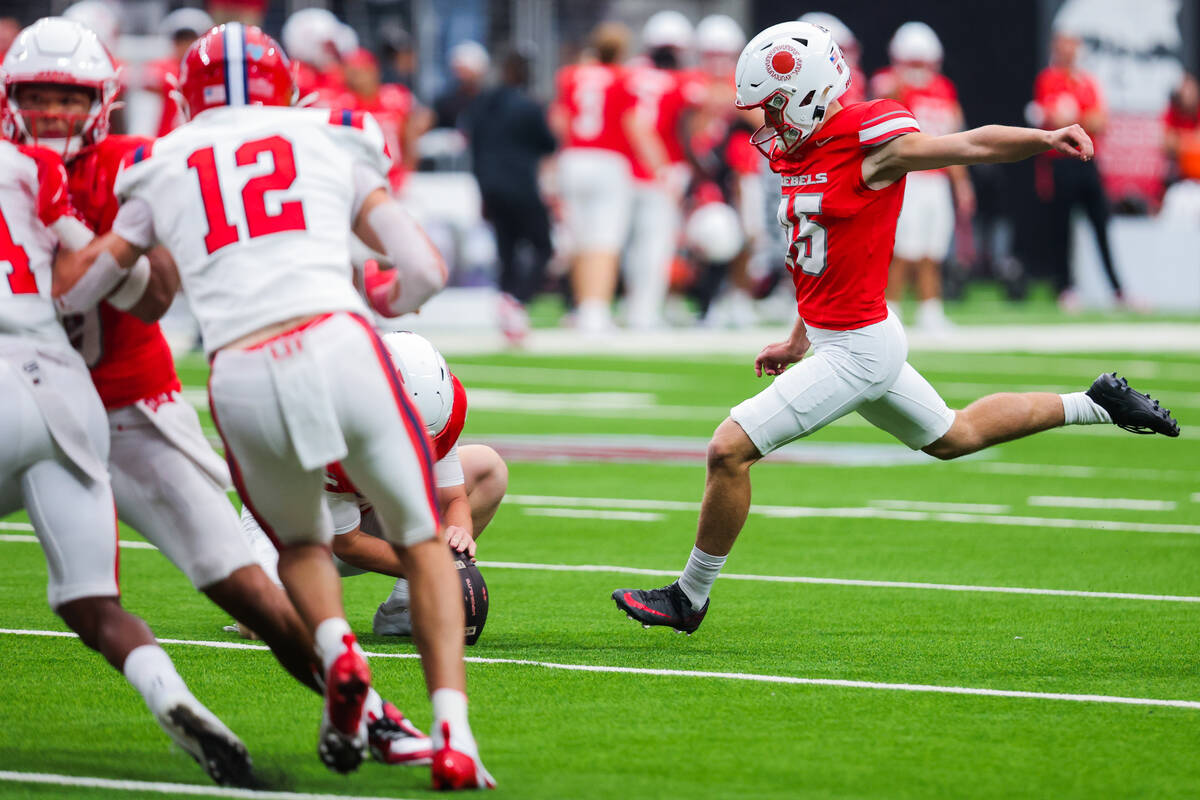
589, 98
15, 263
259, 222
808, 237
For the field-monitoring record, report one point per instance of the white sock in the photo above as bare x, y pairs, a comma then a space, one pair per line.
398, 599
330, 642
151, 672
374, 705
1079, 409
450, 705
699, 575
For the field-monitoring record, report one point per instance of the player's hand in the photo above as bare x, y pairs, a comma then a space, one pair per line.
775, 358
1072, 141
460, 541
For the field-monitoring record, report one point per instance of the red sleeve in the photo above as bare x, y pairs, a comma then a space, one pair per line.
884, 120
1043, 87
53, 201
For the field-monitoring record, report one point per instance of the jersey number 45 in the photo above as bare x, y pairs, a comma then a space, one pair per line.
223, 232
807, 237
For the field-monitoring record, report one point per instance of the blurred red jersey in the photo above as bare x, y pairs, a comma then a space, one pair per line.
935, 105
842, 233
391, 108
161, 78
129, 359
595, 98
661, 97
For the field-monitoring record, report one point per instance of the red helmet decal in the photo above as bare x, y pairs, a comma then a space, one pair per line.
783, 62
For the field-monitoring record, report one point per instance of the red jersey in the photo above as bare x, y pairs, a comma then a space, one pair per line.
391, 108
162, 77
129, 359
841, 232
595, 98
661, 97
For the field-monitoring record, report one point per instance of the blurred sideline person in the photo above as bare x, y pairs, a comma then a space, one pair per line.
298, 378
182, 26
660, 89
471, 482
1181, 141
842, 230
509, 138
1064, 95
401, 118
469, 62
316, 41
52, 463
168, 483
593, 118
926, 227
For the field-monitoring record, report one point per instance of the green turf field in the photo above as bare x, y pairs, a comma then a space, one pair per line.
1111, 517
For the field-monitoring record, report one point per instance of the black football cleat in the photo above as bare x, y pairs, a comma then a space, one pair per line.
1129, 408
667, 606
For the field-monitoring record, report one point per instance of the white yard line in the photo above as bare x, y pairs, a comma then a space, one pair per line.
819, 512
1122, 503
1077, 471
132, 544
16, 526
587, 513
164, 787
733, 576
921, 505
732, 676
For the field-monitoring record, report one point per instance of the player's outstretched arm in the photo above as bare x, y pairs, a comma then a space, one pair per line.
85, 277
991, 144
419, 271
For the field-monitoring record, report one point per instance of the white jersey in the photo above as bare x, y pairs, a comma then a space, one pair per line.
256, 203
32, 198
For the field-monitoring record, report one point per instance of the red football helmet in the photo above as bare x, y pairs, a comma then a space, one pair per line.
234, 65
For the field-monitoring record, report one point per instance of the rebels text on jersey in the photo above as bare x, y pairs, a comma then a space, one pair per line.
129, 359
841, 232
33, 197
255, 204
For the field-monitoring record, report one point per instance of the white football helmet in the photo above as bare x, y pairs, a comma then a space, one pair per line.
185, 19
102, 17
59, 51
720, 34
842, 34
915, 42
714, 233
667, 29
792, 71
426, 378
309, 34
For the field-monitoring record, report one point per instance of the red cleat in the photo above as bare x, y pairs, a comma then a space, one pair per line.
455, 770
343, 740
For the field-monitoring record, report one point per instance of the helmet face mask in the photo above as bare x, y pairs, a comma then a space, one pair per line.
793, 72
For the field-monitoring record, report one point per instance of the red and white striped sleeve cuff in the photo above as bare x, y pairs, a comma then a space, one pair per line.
887, 127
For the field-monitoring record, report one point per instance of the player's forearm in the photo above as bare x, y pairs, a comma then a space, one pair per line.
419, 271
996, 144
366, 552
83, 279
799, 333
456, 512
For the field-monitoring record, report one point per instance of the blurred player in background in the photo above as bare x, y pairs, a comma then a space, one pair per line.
926, 228
662, 94
1063, 94
401, 118
317, 41
471, 481
168, 483
182, 26
593, 117
844, 171
283, 325
54, 441
856, 92
469, 62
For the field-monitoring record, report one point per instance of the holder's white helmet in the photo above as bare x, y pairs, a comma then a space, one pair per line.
720, 34
915, 42
59, 51
667, 29
437, 394
792, 71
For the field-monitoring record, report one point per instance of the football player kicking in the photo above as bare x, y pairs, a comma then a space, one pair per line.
52, 462
471, 481
255, 201
59, 86
843, 171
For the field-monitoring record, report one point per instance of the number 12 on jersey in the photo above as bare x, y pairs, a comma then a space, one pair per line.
808, 247
222, 231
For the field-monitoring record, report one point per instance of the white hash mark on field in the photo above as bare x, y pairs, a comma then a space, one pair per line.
730, 676
921, 505
819, 512
1122, 503
164, 787
733, 576
588, 513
